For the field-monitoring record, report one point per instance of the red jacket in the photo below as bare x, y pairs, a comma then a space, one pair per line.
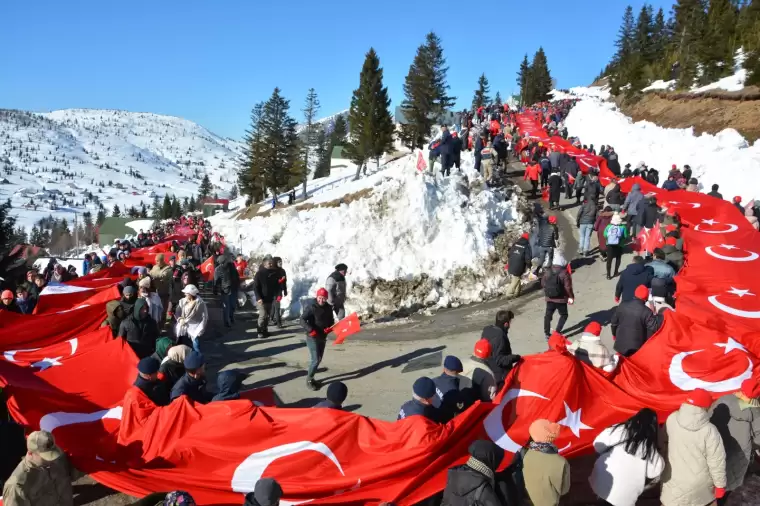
532, 172
241, 267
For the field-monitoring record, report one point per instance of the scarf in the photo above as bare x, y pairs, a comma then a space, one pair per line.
480, 467
178, 353
547, 448
189, 309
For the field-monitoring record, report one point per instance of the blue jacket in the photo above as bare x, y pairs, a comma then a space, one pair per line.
479, 145
27, 305
670, 185
435, 149
662, 269
631, 277
415, 407
85, 267
446, 144
195, 389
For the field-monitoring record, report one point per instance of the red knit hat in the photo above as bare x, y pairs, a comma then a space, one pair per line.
737, 199
675, 166
700, 398
751, 388
321, 292
482, 349
558, 342
642, 292
593, 328
525, 236
671, 241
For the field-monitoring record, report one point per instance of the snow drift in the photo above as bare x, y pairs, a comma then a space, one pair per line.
413, 241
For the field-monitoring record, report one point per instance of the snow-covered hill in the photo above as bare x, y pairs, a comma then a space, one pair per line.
120, 157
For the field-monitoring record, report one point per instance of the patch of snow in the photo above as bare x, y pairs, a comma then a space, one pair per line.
600, 92
661, 85
412, 225
136, 225
726, 159
734, 82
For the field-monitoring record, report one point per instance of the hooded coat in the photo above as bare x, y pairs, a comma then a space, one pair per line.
615, 196
229, 383
632, 324
336, 289
739, 426
631, 277
140, 331
696, 458
475, 482
631, 203
602, 220
519, 257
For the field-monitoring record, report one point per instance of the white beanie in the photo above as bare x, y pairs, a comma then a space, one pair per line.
559, 259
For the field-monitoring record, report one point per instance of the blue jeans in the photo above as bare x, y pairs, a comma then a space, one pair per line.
196, 345
316, 352
585, 242
228, 307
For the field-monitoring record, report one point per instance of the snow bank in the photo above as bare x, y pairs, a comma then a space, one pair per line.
661, 85
414, 241
725, 158
734, 82
600, 92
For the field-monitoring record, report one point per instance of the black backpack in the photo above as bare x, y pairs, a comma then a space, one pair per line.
553, 287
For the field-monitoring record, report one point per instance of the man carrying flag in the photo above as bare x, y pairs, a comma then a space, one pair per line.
317, 319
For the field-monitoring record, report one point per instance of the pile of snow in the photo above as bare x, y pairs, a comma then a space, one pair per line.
661, 85
725, 159
414, 241
139, 154
600, 92
734, 82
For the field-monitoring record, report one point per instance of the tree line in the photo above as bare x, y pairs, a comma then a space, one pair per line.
696, 44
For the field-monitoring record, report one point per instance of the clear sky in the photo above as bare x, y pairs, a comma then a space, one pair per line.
211, 61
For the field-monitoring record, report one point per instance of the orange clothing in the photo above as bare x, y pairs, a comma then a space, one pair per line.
532, 172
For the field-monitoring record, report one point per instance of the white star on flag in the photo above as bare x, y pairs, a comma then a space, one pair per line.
740, 292
710, 222
573, 421
727, 246
47, 363
731, 344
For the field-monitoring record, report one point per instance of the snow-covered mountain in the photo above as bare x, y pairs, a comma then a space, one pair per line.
327, 122
117, 156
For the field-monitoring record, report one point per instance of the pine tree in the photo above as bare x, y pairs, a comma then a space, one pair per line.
101, 217
166, 208
155, 208
371, 125
481, 97
233, 192
323, 154
7, 223
116, 213
339, 131
192, 205
279, 146
311, 128
132, 212
36, 238
143, 210
689, 24
205, 189
541, 79
89, 228
718, 42
659, 46
523, 80
251, 172
176, 208
497, 99
624, 44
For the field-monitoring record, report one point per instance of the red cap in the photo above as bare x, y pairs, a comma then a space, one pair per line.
482, 349
737, 199
674, 166
700, 398
593, 328
671, 241
525, 236
7, 294
642, 292
558, 342
321, 292
751, 388
552, 219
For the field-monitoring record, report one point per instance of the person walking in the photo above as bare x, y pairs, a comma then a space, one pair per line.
628, 457
519, 260
630, 208
585, 220
161, 276
603, 218
140, 331
634, 275
481, 142
317, 320
266, 287
555, 188
558, 290
282, 280
696, 470
614, 234
227, 281
633, 323
546, 240
447, 399
446, 148
737, 418
336, 290
546, 472
533, 173
192, 318
501, 360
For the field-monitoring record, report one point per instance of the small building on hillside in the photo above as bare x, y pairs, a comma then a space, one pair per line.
213, 206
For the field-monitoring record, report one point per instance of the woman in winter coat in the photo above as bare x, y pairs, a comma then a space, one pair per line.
696, 470
737, 418
546, 472
627, 458
476, 482
192, 317
615, 197
600, 225
148, 292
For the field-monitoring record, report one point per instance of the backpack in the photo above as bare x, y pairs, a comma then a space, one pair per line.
553, 287
516, 257
614, 234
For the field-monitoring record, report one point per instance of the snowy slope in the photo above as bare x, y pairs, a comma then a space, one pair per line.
725, 158
142, 152
415, 241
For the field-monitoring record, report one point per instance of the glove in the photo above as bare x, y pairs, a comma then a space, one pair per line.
617, 300
313, 333
328, 330
719, 492
570, 301
282, 279
279, 298
170, 314
516, 359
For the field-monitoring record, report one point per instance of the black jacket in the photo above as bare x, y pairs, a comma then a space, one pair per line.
415, 407
448, 399
463, 486
172, 372
155, 390
456, 149
613, 163
555, 185
632, 324
141, 335
229, 383
519, 257
572, 167
226, 277
266, 284
502, 359
195, 389
716, 195
648, 215
547, 234
317, 318
615, 196
446, 144
479, 145
586, 213
592, 190
631, 277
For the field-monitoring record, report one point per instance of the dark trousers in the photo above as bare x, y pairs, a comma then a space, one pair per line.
614, 252
276, 316
568, 187
544, 178
551, 307
229, 300
477, 164
445, 165
316, 352
534, 187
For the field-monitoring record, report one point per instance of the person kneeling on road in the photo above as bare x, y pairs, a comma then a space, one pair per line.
423, 392
193, 383
317, 319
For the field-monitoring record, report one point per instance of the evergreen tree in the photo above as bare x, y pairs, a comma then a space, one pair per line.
20, 236
541, 79
311, 129
719, 42
624, 45
323, 154
205, 189
339, 132
659, 44
689, 24
369, 117
7, 224
425, 92
481, 97
233, 192
143, 210
192, 207
101, 217
176, 211
523, 80
155, 208
36, 238
497, 99
89, 228
116, 213
251, 172
132, 212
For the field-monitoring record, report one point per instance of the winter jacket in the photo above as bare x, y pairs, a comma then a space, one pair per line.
696, 458
673, 256
48, 484
519, 257
140, 334
155, 305
476, 374
546, 166
464, 485
547, 234
162, 279
171, 372
619, 477
547, 477
26, 306
316, 318
573, 169
565, 279
661, 269
479, 145
226, 277
615, 196
600, 225
739, 426
716, 195
632, 324
336, 289
631, 203
631, 277
156, 391
554, 159
502, 359
586, 213
532, 172
670, 185
555, 186
456, 149
648, 214
193, 388
434, 149
589, 349
593, 189
613, 163
266, 284
446, 146
191, 322
229, 385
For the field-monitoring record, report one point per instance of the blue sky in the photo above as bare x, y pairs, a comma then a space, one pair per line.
210, 62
